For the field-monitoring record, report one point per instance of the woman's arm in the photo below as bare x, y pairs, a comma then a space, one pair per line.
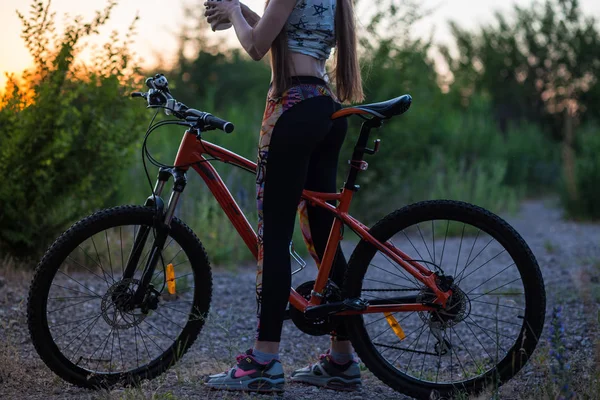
255, 40
251, 17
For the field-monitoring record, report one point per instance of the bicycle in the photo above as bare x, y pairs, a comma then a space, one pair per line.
419, 322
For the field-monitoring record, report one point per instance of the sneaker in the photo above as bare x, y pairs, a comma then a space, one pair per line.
250, 376
329, 374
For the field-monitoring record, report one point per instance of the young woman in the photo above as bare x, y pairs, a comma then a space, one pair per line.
298, 149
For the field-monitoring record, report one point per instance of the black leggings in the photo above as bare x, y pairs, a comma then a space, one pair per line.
300, 152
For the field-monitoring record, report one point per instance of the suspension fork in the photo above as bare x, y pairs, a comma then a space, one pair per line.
161, 227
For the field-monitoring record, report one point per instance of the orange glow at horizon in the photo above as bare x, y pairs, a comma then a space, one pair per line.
156, 38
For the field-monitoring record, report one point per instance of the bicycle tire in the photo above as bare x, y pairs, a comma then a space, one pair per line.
496, 227
61, 249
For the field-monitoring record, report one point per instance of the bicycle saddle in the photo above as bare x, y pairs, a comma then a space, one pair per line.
384, 109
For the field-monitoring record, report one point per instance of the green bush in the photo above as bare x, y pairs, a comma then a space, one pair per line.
533, 159
458, 155
585, 204
65, 133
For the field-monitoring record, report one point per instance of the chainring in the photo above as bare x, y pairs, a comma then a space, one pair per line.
320, 326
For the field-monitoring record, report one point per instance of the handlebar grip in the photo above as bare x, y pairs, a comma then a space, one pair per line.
218, 123
137, 94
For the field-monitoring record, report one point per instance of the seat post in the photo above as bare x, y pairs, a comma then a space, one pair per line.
359, 152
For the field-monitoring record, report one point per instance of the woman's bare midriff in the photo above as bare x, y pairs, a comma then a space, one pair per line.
303, 65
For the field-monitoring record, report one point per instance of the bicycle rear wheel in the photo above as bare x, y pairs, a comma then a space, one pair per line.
78, 319
492, 322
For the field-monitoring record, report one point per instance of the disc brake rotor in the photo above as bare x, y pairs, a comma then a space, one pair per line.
113, 304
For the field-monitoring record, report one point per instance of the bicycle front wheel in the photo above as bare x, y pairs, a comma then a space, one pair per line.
79, 318
492, 321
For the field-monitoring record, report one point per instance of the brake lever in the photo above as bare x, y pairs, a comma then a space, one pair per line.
175, 107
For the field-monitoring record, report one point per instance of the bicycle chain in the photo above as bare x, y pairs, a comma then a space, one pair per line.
391, 290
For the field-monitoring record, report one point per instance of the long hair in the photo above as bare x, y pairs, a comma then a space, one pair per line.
347, 79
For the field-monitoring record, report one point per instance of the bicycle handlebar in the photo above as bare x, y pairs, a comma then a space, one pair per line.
209, 120
159, 95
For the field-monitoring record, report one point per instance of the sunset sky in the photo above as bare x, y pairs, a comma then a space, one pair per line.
159, 21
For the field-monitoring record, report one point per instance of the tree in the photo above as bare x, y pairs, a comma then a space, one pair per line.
64, 132
542, 66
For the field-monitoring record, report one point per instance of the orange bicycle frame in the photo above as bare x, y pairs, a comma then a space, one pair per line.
191, 153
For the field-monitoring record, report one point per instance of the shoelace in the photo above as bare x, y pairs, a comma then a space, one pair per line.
240, 357
323, 356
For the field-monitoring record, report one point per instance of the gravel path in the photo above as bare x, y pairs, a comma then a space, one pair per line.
568, 254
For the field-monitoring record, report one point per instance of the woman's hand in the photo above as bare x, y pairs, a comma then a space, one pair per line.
220, 11
256, 34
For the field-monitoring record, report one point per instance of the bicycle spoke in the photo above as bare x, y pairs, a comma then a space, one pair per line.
462, 235
426, 247
482, 265
79, 283
87, 269
416, 347
411, 343
472, 247
137, 358
498, 320
112, 345
122, 255
477, 338
121, 350
181, 263
98, 256
73, 297
498, 305
433, 238
489, 279
409, 278
471, 262
426, 347
72, 322
159, 331
57, 338
465, 347
156, 311
85, 337
73, 290
105, 342
498, 294
444, 246
144, 343
457, 358
485, 330
386, 283
174, 309
72, 305
175, 256
153, 341
385, 270
112, 275
413, 246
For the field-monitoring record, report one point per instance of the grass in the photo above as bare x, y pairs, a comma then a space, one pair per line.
550, 247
